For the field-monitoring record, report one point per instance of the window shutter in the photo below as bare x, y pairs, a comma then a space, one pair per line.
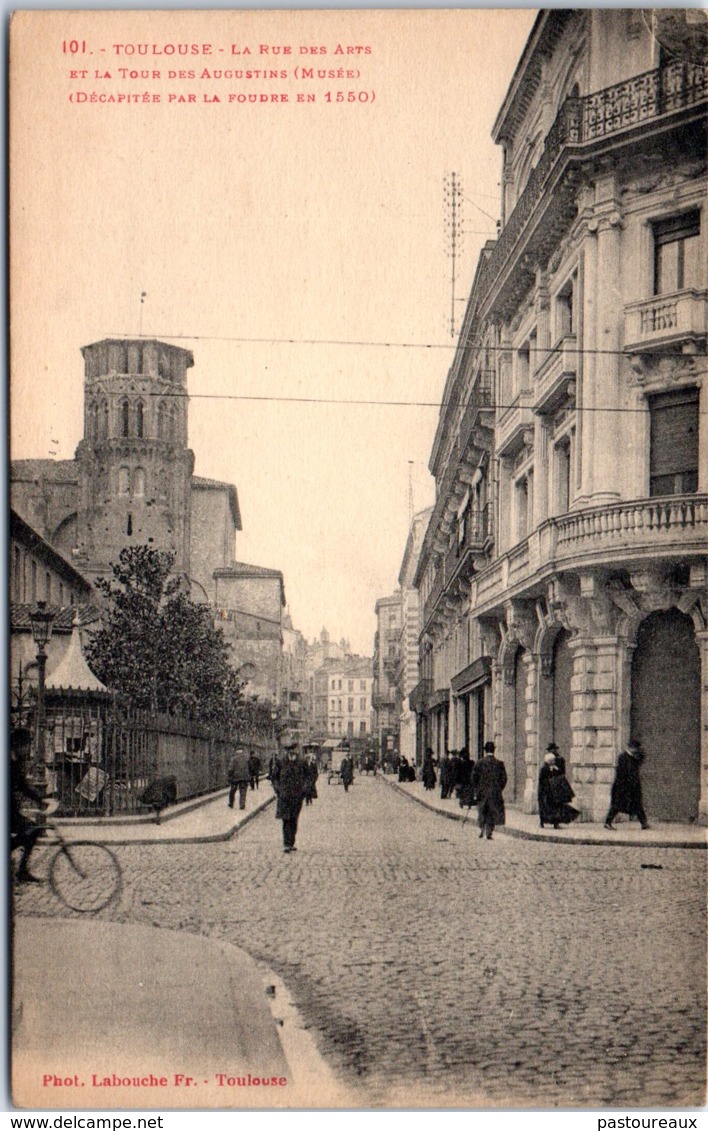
674, 433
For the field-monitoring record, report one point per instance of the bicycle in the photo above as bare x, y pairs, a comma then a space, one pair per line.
83, 874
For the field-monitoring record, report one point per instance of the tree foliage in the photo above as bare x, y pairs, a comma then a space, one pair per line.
158, 648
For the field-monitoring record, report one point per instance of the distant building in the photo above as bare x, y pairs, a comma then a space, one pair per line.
132, 482
386, 695
407, 671
349, 684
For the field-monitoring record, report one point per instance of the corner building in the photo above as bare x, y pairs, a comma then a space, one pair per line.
563, 576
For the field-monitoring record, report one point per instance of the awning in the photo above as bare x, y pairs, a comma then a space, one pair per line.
439, 698
474, 675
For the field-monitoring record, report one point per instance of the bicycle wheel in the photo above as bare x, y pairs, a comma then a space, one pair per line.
85, 876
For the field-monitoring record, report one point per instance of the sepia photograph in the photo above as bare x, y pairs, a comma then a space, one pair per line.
358, 560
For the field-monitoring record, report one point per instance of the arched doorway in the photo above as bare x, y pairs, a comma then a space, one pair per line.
665, 714
562, 696
519, 725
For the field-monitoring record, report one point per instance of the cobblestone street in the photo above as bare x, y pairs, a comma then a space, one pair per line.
435, 968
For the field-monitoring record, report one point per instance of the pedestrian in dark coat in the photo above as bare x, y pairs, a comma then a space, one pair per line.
238, 777
555, 792
463, 787
346, 772
289, 784
311, 776
626, 794
488, 781
428, 772
447, 776
254, 769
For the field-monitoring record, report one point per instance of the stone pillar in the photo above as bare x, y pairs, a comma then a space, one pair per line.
702, 641
595, 720
532, 668
604, 385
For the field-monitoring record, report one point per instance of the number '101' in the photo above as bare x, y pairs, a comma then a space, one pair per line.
73, 46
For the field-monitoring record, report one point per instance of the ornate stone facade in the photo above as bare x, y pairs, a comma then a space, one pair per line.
588, 321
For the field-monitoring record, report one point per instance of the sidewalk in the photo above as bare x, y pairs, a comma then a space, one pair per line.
114, 1015
201, 819
525, 825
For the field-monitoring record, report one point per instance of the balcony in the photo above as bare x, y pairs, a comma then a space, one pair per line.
621, 533
514, 423
666, 321
554, 378
629, 110
477, 421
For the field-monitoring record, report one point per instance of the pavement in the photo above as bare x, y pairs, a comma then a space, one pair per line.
423, 966
660, 834
202, 819
119, 1015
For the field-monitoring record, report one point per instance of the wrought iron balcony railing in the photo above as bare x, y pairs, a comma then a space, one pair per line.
584, 121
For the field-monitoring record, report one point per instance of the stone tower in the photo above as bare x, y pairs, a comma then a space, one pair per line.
134, 466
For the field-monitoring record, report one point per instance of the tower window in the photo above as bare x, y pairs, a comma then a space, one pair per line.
123, 481
129, 525
139, 482
139, 418
125, 418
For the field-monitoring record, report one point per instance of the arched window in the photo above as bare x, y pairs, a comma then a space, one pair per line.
162, 484
139, 482
123, 481
125, 417
173, 422
139, 419
161, 421
103, 424
92, 421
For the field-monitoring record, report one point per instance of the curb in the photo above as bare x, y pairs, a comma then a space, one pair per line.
211, 838
179, 809
523, 834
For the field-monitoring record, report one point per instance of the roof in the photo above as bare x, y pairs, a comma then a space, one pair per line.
199, 483
140, 342
72, 672
242, 569
64, 616
24, 533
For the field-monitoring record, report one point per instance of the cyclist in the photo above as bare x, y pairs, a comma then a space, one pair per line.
23, 832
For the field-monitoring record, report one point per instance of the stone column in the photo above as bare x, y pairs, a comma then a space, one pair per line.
595, 718
604, 385
532, 667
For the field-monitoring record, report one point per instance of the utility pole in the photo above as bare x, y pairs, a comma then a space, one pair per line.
453, 227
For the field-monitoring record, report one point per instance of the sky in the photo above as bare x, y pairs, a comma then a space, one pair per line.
301, 250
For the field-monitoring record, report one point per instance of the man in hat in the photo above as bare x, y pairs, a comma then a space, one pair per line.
239, 777
488, 781
288, 779
626, 796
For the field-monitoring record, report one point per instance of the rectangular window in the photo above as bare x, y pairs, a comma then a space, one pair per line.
562, 453
565, 312
362, 685
47, 586
676, 253
351, 684
362, 728
362, 704
673, 459
351, 705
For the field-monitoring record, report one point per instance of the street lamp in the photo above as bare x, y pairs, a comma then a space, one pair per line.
42, 620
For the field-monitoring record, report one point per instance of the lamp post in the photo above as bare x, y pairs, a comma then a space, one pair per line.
42, 620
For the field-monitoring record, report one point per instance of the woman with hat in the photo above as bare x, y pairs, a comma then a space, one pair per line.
555, 791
